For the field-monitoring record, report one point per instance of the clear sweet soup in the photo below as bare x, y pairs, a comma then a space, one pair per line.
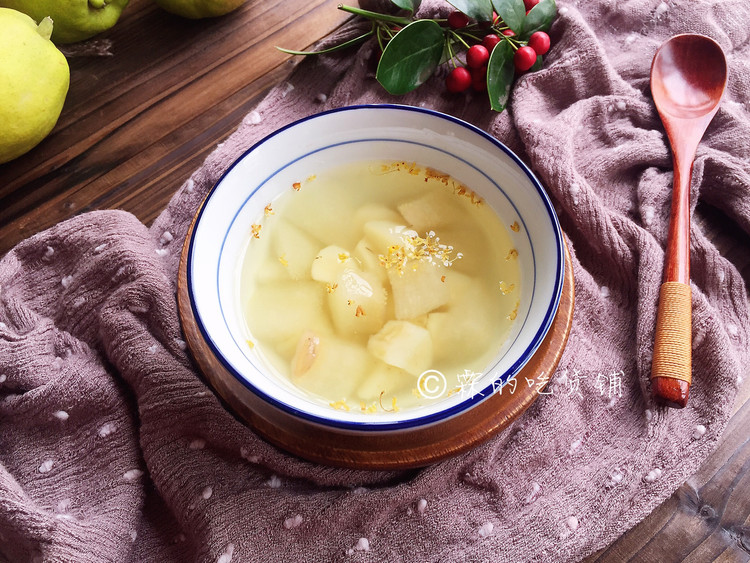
378, 286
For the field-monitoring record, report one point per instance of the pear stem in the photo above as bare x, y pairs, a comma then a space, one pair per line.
45, 27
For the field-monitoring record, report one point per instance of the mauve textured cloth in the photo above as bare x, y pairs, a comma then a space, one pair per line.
112, 448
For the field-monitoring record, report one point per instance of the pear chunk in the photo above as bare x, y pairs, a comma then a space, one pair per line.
404, 345
432, 210
357, 302
323, 364
330, 262
376, 212
380, 235
279, 313
369, 261
295, 249
385, 379
418, 290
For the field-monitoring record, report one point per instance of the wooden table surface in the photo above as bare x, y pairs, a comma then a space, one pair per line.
136, 124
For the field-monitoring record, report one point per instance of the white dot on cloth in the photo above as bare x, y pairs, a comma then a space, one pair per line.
732, 330
652, 475
253, 118
274, 482
48, 252
161, 251
288, 87
616, 476
106, 429
630, 38
245, 454
137, 309
3, 326
648, 215
133, 535
720, 275
166, 237
604, 290
534, 494
99, 248
649, 414
621, 105
293, 522
61, 415
572, 523
57, 363
562, 11
152, 349
574, 446
46, 466
63, 506
207, 492
197, 444
189, 185
3, 378
226, 557
661, 9
132, 474
180, 343
321, 98
486, 529
700, 430
359, 490
422, 506
66, 281
363, 544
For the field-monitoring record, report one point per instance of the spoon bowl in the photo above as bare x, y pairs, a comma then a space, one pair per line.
688, 78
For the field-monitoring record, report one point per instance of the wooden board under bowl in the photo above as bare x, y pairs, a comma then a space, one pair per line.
382, 451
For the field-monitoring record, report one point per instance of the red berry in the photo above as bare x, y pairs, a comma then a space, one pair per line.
528, 4
490, 41
508, 32
477, 56
457, 20
458, 80
524, 58
539, 41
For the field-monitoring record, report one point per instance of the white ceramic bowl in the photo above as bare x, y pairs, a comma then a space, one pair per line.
379, 132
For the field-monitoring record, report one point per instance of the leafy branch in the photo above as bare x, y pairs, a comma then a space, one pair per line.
412, 49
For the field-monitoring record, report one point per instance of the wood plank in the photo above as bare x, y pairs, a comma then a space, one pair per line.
156, 101
706, 519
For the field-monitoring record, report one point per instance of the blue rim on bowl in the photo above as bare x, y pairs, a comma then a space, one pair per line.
208, 318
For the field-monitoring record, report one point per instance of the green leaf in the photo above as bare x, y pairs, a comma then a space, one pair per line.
500, 71
539, 18
480, 10
537, 65
411, 57
512, 12
409, 5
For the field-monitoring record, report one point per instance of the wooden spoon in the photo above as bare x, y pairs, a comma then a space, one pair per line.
688, 78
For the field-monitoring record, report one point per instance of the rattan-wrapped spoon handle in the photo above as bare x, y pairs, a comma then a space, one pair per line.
671, 367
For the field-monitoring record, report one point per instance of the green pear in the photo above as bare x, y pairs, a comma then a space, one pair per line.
34, 80
75, 20
197, 9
